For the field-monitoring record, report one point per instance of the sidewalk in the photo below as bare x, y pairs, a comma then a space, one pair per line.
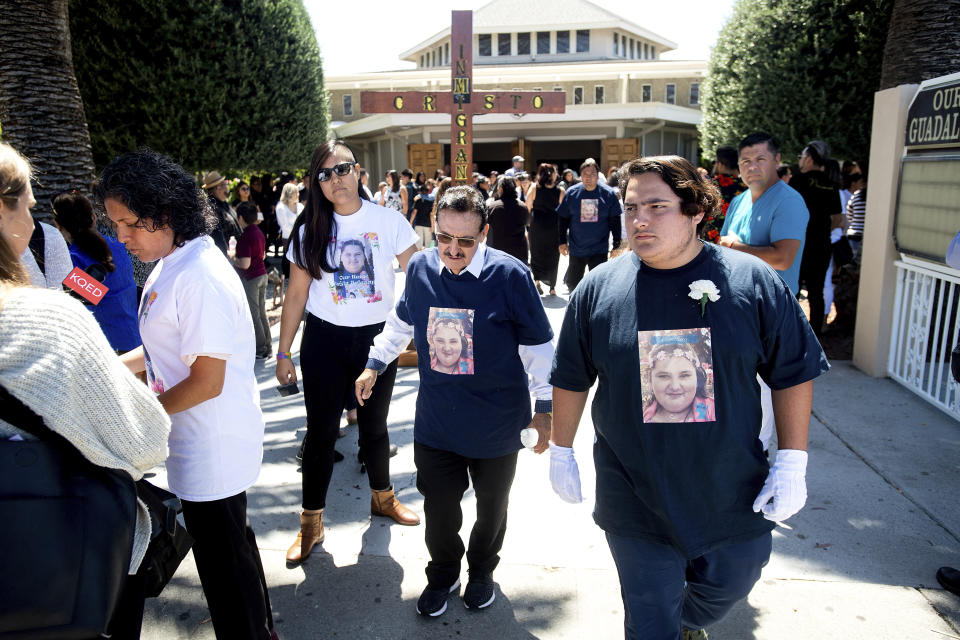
857, 562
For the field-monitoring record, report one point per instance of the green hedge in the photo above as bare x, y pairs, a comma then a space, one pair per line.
233, 85
798, 70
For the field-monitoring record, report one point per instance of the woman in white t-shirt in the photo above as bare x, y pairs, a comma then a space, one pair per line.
198, 353
341, 271
287, 211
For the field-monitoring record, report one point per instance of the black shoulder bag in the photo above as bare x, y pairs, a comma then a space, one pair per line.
66, 535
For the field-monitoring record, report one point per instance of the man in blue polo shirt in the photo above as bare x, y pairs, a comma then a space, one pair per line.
480, 332
591, 212
769, 221
677, 331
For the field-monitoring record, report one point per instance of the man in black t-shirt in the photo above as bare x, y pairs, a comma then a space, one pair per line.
677, 332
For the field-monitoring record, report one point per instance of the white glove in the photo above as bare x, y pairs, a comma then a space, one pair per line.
564, 474
529, 437
786, 484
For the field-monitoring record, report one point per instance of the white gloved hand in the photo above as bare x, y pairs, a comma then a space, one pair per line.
529, 437
564, 474
786, 484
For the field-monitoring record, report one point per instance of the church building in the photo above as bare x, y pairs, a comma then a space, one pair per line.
622, 99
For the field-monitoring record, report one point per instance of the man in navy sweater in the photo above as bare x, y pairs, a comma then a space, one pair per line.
484, 347
591, 213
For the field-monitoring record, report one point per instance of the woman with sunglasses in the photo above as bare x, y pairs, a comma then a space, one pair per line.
339, 227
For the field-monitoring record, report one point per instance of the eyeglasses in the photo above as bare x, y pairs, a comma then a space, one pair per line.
341, 169
463, 243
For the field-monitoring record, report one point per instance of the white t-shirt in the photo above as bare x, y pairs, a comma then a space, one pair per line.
194, 304
360, 291
286, 218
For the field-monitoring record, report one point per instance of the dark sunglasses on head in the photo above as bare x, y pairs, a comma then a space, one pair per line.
341, 169
463, 243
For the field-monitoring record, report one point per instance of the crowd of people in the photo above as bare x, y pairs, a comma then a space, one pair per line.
679, 329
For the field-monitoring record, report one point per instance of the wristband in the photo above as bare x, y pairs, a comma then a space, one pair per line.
284, 355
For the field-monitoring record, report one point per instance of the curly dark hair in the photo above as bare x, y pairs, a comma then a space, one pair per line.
696, 193
156, 188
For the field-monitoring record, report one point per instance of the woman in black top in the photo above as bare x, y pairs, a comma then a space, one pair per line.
508, 220
542, 200
821, 194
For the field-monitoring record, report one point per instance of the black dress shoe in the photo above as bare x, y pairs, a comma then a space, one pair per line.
949, 579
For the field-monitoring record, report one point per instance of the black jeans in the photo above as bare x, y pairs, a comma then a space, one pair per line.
231, 573
813, 272
577, 266
442, 479
331, 359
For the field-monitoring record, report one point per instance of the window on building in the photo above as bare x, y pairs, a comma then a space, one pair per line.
598, 94
694, 93
347, 105
558, 88
583, 40
503, 44
646, 51
446, 53
578, 95
434, 57
671, 94
483, 41
616, 44
563, 42
646, 93
537, 89
653, 52
523, 44
623, 46
543, 42
421, 61
631, 48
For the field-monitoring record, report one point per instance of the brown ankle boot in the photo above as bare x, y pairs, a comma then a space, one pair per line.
385, 503
311, 533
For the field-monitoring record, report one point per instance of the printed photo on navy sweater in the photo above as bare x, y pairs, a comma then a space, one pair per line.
354, 278
450, 336
676, 367
589, 210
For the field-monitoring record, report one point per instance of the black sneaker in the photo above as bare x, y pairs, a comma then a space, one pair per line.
479, 593
433, 600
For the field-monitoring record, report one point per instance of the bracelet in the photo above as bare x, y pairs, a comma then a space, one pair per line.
284, 355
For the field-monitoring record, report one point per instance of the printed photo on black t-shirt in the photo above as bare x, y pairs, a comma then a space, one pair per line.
450, 336
354, 278
589, 210
676, 367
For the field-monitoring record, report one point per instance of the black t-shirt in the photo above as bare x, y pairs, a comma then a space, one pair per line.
508, 221
691, 483
424, 208
823, 200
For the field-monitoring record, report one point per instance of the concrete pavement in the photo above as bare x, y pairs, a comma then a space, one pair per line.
857, 562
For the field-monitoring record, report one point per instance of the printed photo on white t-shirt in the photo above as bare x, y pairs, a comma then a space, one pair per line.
355, 278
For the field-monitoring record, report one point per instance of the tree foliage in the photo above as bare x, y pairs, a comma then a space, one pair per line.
233, 85
799, 70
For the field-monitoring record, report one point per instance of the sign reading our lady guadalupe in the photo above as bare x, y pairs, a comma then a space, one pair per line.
461, 102
934, 117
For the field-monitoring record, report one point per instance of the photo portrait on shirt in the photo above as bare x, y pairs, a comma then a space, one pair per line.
677, 373
450, 336
589, 210
354, 278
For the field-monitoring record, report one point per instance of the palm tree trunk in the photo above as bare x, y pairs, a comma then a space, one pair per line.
923, 42
41, 112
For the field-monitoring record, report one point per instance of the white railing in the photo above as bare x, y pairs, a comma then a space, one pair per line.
925, 330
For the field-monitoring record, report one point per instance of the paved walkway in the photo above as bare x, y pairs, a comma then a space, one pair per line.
857, 562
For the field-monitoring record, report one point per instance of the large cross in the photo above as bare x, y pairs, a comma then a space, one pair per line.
462, 102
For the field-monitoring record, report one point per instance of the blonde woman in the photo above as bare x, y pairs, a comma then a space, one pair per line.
287, 211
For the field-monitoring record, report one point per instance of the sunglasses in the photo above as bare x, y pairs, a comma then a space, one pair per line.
341, 169
463, 243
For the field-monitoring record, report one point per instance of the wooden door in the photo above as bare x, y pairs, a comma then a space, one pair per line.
425, 157
616, 151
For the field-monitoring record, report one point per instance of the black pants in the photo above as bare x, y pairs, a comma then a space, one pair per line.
231, 573
331, 359
442, 479
577, 266
813, 273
